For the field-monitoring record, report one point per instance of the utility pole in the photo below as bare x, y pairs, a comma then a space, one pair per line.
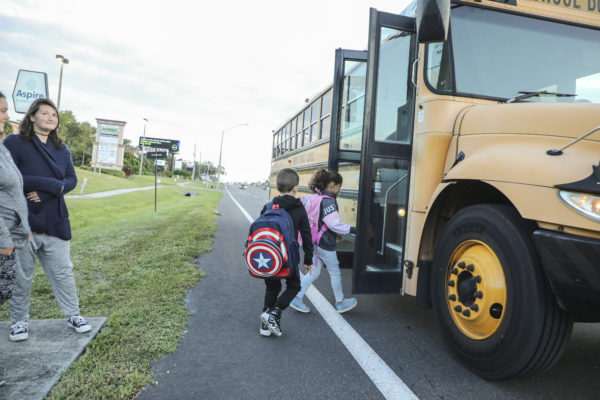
142, 149
221, 153
63, 61
194, 165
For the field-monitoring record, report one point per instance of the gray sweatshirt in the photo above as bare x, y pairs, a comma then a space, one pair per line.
14, 227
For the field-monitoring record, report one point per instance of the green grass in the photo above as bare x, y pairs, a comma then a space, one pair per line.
132, 266
102, 182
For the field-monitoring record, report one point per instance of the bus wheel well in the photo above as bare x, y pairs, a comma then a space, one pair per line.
451, 200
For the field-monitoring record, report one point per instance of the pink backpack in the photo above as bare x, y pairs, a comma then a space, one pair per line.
312, 205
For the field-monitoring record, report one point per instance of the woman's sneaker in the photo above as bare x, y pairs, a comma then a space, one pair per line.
299, 306
345, 305
264, 329
19, 331
79, 323
271, 318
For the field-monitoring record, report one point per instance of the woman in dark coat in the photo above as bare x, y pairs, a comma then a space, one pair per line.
48, 173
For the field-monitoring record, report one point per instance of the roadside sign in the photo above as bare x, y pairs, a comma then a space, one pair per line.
161, 163
156, 154
30, 85
156, 143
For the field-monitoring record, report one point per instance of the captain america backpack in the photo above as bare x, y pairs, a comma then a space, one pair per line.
271, 247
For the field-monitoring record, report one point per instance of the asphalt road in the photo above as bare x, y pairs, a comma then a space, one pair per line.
223, 357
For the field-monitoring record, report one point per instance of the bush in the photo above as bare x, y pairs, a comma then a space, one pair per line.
114, 172
182, 172
127, 170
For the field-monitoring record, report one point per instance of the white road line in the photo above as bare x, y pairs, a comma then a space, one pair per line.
382, 376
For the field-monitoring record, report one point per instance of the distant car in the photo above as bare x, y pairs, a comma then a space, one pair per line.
242, 186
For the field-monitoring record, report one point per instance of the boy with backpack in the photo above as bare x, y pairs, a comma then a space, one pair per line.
274, 304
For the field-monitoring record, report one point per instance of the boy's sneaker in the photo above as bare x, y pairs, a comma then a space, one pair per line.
79, 323
19, 331
345, 305
272, 318
264, 329
299, 306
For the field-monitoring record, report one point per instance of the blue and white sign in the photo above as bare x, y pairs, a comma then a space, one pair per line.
30, 85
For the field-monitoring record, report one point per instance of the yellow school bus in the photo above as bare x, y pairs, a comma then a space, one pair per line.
477, 171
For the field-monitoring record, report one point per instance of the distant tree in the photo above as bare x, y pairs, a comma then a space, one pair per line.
131, 163
79, 136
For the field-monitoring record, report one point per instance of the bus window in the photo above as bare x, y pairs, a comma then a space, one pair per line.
325, 114
389, 188
568, 53
274, 146
314, 121
299, 130
293, 134
393, 114
306, 126
325, 126
353, 105
439, 68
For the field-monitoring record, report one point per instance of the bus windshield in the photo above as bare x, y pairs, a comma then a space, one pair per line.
500, 55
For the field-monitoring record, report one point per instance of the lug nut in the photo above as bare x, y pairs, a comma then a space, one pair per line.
466, 313
477, 279
479, 294
451, 283
455, 271
470, 268
458, 308
452, 297
462, 265
475, 307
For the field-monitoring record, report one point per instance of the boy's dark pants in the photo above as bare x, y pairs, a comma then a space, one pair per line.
292, 287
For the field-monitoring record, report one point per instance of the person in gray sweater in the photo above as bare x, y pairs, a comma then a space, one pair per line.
14, 227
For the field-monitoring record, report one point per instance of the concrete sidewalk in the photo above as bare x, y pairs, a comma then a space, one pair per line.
31, 367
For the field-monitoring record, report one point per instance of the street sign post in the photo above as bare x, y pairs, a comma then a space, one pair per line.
30, 85
155, 155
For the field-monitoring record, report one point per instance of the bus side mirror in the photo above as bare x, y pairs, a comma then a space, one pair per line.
433, 18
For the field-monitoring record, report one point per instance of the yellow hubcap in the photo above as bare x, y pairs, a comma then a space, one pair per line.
476, 289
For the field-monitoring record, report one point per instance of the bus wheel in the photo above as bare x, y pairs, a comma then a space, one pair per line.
491, 298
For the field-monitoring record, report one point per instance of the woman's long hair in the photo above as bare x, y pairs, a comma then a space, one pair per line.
322, 177
26, 128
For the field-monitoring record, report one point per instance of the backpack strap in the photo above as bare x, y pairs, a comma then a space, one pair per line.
323, 229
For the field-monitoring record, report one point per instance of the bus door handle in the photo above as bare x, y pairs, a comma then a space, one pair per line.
413, 78
385, 212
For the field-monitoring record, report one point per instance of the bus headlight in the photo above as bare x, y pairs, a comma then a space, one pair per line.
585, 204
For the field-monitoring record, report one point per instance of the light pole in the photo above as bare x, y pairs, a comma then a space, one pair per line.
142, 149
63, 61
221, 152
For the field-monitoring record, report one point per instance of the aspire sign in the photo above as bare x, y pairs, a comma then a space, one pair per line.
30, 85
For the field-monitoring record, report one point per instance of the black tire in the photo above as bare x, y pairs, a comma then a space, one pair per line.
521, 334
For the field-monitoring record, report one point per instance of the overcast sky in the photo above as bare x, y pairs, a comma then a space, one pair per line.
191, 68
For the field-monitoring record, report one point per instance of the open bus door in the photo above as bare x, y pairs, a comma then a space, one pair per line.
348, 105
386, 154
